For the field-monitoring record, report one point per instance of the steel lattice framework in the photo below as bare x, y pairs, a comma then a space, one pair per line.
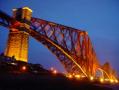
74, 45
71, 46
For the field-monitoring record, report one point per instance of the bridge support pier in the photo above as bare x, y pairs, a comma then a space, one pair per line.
17, 44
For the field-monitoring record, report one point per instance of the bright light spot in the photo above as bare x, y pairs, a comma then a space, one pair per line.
101, 80
23, 68
70, 76
111, 80
13, 63
77, 76
54, 71
106, 79
83, 76
116, 81
51, 68
91, 78
27, 9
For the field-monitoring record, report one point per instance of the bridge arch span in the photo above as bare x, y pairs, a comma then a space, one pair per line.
61, 53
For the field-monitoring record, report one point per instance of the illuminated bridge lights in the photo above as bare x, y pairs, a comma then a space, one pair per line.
69, 76
91, 78
107, 80
23, 68
116, 81
77, 76
101, 80
71, 46
53, 70
111, 80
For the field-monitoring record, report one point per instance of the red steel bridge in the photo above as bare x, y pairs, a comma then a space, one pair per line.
71, 46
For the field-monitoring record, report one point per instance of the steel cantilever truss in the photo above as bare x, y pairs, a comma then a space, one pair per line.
71, 46
79, 54
4, 19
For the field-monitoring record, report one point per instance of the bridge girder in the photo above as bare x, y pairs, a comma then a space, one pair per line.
71, 46
76, 43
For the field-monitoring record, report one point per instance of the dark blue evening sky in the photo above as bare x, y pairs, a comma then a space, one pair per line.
100, 18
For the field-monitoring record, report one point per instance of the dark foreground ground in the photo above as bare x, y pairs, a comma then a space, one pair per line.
13, 76
46, 82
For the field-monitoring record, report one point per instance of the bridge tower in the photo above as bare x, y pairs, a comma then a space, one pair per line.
17, 44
